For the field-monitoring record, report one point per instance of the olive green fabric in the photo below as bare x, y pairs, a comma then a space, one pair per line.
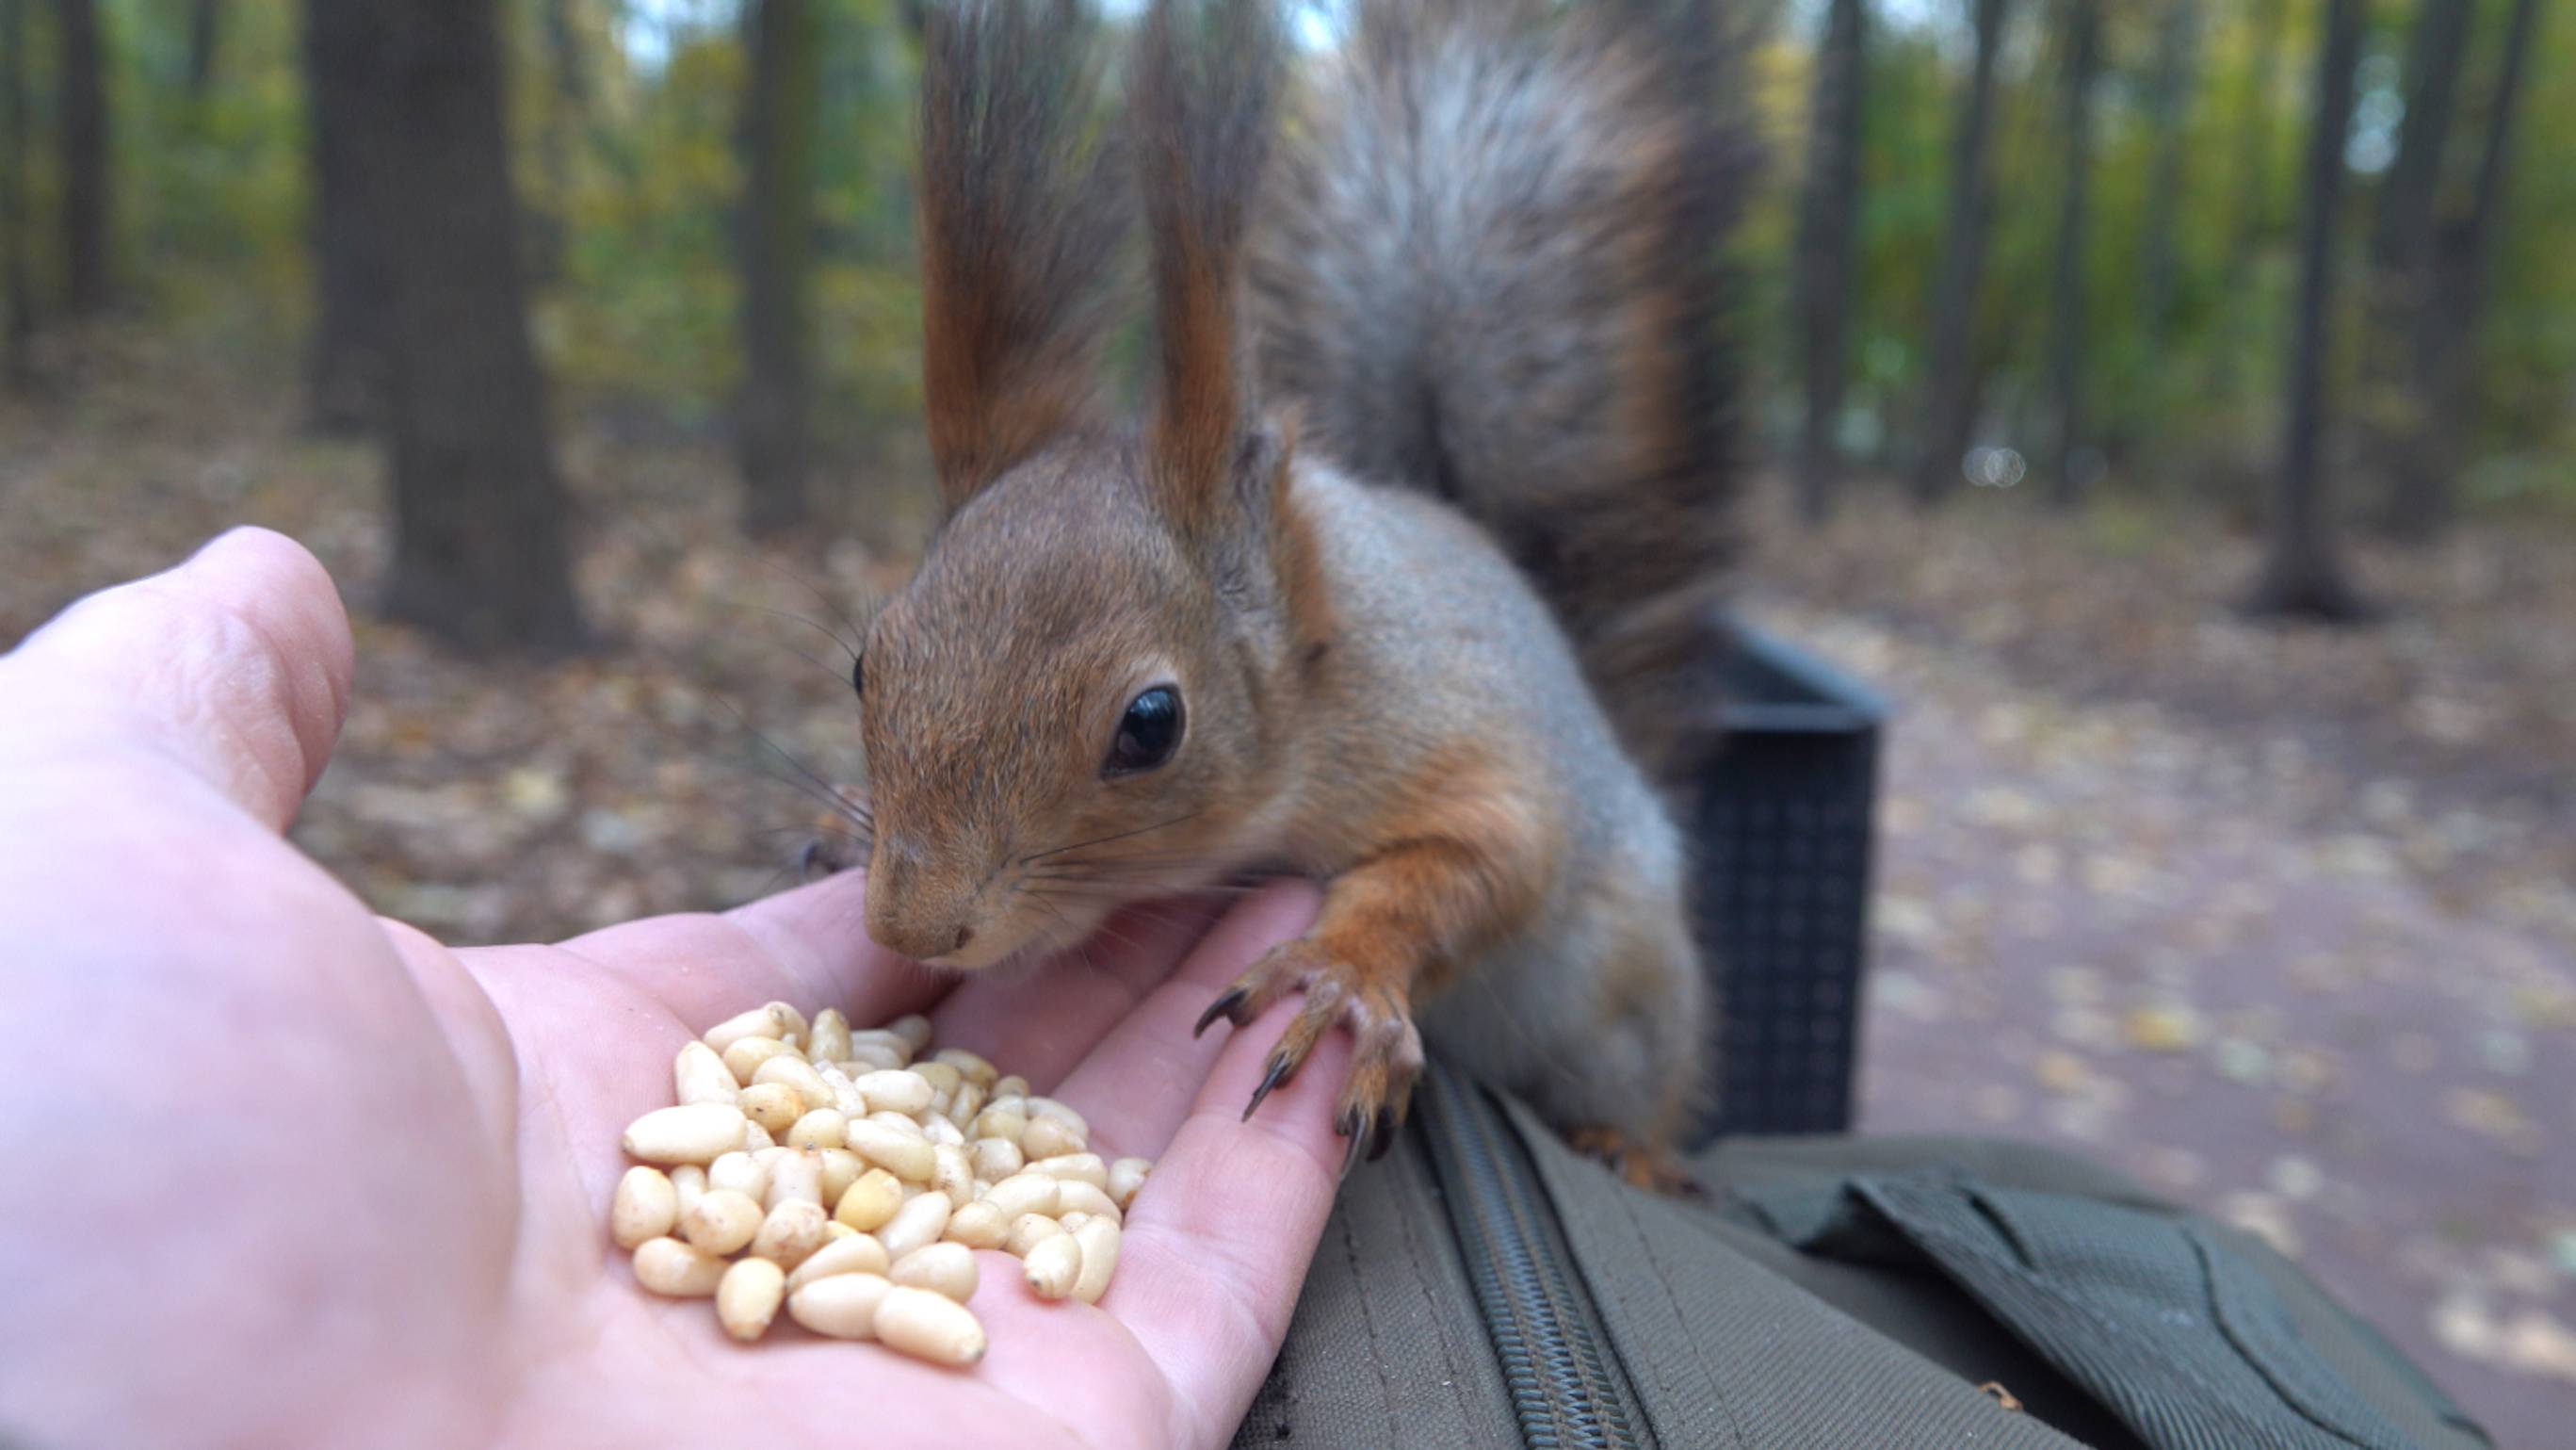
1732, 1335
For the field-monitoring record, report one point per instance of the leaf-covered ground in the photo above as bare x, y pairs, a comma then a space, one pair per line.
2282, 922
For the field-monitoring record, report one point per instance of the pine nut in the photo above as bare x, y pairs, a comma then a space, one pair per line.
900, 1124
879, 1043
1126, 1176
695, 1133
843, 1306
910, 1159
971, 1066
698, 1075
722, 1221
758, 1022
1053, 1266
1085, 1167
943, 1268
689, 1181
998, 1124
1026, 1193
950, 1174
869, 1201
791, 1023
1099, 1239
1051, 1138
841, 1168
755, 1137
1075, 1196
799, 1074
747, 1298
741, 1172
1028, 1231
902, 1091
914, 1030
795, 1176
821, 1128
1062, 1112
830, 1039
977, 1226
943, 1077
929, 1326
791, 1233
645, 1207
1071, 1221
969, 1101
1011, 1085
995, 1159
773, 1105
920, 1221
943, 1133
744, 1058
668, 1266
857, 1254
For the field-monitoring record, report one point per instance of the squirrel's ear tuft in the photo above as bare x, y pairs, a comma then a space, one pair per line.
1208, 71
1021, 217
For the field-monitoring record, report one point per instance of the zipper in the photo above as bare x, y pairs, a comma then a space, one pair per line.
1567, 1389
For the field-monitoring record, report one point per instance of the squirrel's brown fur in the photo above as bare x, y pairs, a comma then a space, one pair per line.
1370, 692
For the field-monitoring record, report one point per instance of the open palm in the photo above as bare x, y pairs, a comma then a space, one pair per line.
282, 1172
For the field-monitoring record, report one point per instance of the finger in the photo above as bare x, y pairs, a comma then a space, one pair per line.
808, 947
1040, 1022
1217, 1244
1139, 1084
234, 666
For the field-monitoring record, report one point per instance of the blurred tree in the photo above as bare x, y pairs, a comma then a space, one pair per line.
1950, 416
82, 137
566, 113
344, 370
205, 35
2066, 291
2250, 209
2429, 458
1827, 238
2168, 108
480, 515
2394, 392
776, 232
17, 283
2303, 570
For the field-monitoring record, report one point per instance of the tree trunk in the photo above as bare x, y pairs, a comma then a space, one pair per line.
344, 367
2066, 292
205, 35
17, 271
2446, 356
480, 516
83, 139
2169, 107
1952, 412
2393, 413
2303, 573
776, 235
1826, 242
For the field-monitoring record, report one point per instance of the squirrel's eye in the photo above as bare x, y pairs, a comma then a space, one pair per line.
858, 675
1147, 733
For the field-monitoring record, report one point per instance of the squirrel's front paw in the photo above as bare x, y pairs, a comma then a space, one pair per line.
1387, 1056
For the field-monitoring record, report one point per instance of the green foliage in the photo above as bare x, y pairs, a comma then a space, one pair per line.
630, 177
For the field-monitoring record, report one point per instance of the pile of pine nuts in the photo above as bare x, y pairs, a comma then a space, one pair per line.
849, 1177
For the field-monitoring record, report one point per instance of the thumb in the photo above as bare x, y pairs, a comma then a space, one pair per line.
234, 665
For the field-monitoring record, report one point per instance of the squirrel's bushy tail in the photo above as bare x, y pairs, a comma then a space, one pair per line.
1490, 268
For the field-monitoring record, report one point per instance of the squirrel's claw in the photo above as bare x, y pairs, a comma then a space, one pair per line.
1387, 1055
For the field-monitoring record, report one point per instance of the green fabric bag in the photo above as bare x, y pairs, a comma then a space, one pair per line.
1483, 1286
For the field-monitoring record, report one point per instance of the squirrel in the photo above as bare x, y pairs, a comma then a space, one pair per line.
1144, 657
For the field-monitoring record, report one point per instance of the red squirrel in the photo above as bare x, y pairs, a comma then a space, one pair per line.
1144, 656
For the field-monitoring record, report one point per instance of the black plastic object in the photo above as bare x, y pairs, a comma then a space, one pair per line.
1786, 805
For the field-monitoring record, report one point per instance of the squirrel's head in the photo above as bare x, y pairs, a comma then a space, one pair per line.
1071, 706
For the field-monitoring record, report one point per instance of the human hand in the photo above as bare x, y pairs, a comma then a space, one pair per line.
280, 1172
